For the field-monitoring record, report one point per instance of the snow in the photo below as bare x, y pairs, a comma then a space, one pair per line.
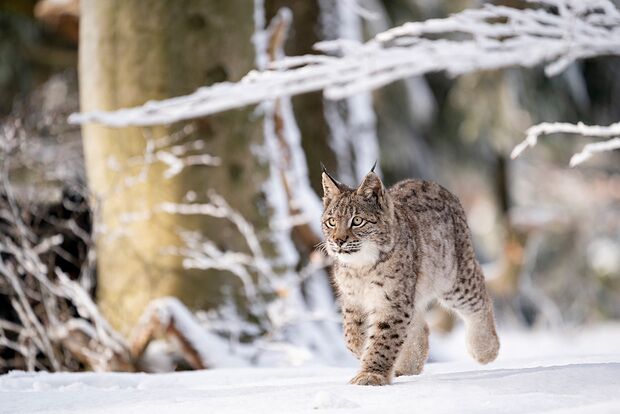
585, 384
540, 372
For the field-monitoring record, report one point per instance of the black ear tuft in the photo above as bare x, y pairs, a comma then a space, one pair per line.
333, 180
331, 187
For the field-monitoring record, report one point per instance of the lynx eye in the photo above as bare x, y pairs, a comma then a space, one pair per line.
357, 221
330, 222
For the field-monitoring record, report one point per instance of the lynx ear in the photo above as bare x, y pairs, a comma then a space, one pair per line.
372, 188
331, 187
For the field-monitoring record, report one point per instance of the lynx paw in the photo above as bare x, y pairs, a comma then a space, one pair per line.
369, 378
411, 369
484, 348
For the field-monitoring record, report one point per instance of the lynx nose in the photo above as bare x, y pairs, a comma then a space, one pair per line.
341, 240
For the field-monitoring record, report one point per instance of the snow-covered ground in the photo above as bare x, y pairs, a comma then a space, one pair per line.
541, 372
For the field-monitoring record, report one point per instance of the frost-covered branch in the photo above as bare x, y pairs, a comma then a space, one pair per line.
166, 150
594, 148
200, 253
54, 323
168, 317
304, 300
46, 325
553, 32
548, 128
175, 157
351, 121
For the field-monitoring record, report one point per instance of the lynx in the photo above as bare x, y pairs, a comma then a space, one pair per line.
396, 250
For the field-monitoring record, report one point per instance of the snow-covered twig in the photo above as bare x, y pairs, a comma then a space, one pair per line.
593, 148
175, 157
49, 331
199, 253
492, 37
548, 128
219, 208
57, 324
352, 121
166, 150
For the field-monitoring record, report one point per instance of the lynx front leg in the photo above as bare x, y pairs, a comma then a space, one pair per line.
354, 329
414, 353
387, 333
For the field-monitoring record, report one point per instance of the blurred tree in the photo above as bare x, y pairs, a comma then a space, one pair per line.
60, 17
309, 108
132, 52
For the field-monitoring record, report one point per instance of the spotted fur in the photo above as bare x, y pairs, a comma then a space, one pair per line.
395, 251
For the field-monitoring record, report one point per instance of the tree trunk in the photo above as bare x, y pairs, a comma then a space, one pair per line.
132, 51
308, 108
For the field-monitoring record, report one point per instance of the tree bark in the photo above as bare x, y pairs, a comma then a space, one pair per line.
132, 51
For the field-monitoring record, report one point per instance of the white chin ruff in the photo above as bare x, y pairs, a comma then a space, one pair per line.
366, 256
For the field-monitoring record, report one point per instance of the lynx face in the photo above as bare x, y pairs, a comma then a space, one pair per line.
356, 222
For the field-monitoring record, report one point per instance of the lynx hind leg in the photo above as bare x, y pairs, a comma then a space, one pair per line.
472, 303
414, 352
482, 339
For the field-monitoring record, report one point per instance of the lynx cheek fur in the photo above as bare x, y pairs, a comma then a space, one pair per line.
395, 251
